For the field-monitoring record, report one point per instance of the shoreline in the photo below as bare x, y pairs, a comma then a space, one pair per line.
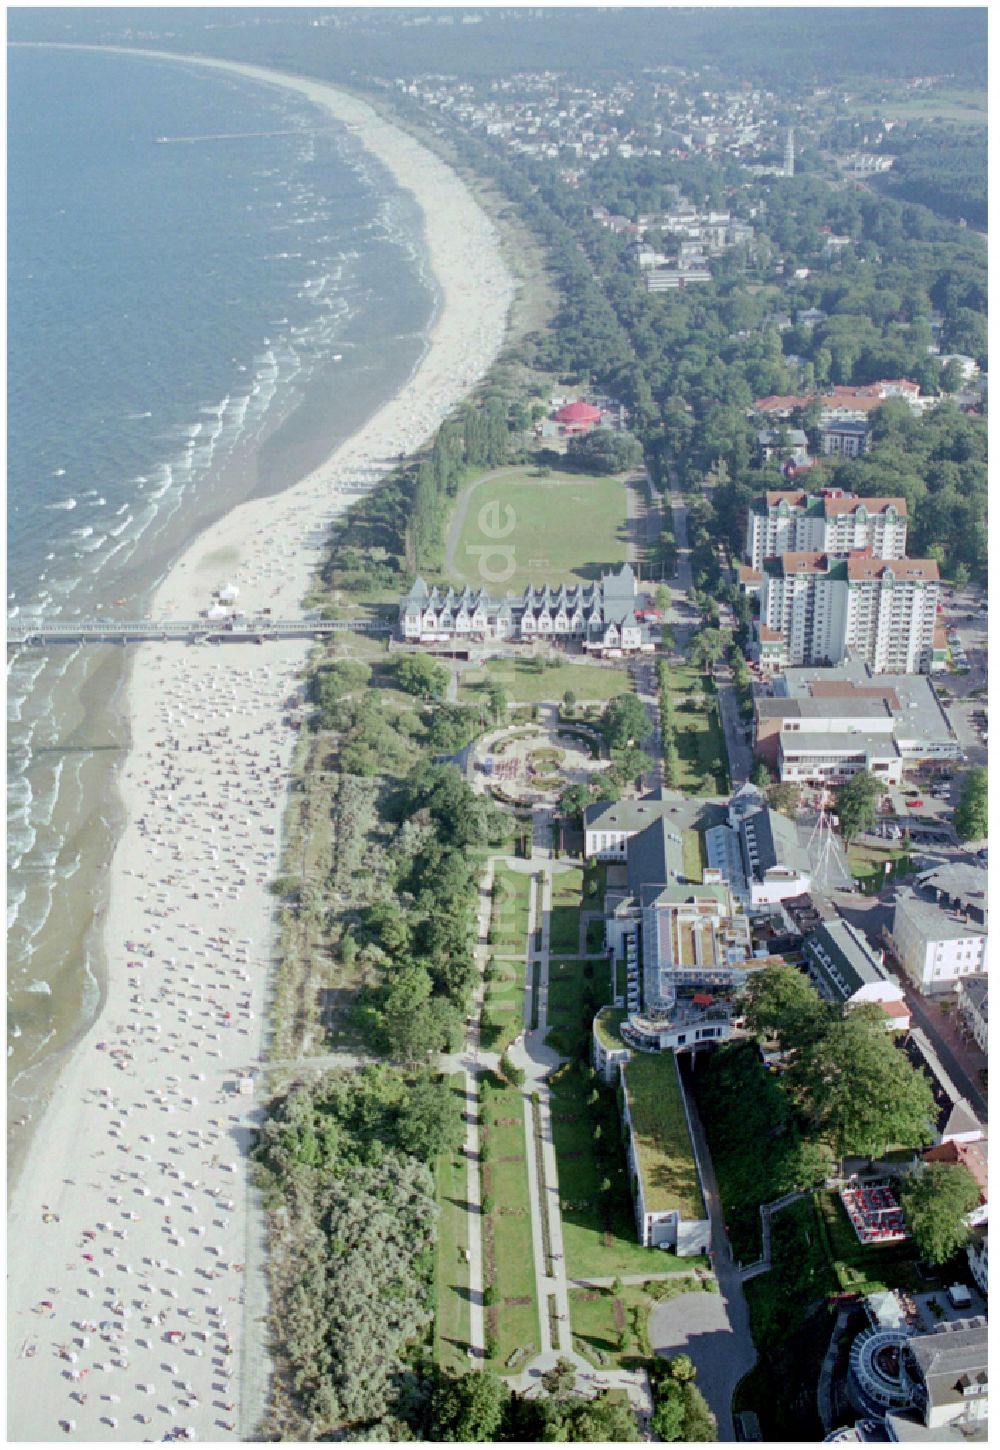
208, 757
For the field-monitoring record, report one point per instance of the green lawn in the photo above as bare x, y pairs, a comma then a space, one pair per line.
599, 1236
693, 858
564, 922
451, 1273
507, 1246
867, 863
576, 990
660, 1132
558, 529
533, 679
700, 743
962, 107
600, 1318
509, 911
503, 1008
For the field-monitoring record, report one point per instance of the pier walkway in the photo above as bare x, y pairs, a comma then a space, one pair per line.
22, 634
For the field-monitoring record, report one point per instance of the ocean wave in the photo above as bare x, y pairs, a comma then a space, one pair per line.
66, 503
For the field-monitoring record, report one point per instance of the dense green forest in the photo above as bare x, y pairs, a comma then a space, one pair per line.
944, 168
752, 44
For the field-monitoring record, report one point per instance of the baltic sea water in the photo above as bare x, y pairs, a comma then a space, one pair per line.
210, 284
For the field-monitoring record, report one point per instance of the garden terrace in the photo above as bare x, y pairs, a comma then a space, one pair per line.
452, 1326
508, 1254
598, 1225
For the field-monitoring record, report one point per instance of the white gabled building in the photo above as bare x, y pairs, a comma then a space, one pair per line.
601, 616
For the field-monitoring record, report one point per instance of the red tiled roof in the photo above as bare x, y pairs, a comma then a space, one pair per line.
835, 506
860, 568
578, 412
749, 575
793, 499
804, 561
970, 1155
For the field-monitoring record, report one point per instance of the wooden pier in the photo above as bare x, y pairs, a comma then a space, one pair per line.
31, 633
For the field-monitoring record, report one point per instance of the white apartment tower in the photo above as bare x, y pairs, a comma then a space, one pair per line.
827, 523
789, 167
826, 610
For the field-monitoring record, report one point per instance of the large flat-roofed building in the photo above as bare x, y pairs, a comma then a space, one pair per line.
826, 609
889, 720
940, 929
829, 522
601, 616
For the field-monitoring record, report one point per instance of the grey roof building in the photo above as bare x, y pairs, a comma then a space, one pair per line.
840, 961
950, 1371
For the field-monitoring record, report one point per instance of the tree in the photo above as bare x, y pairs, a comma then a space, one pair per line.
760, 775
625, 721
561, 1378
706, 646
471, 1407
858, 1090
575, 799
972, 811
857, 803
497, 700
602, 451
784, 797
569, 699
430, 1120
418, 674
781, 1001
680, 1411
936, 1198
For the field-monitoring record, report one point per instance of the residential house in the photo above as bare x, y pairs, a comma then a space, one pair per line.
973, 1001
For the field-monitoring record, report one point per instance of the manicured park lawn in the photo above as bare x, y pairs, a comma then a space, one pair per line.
599, 1317
451, 1274
530, 680
565, 528
503, 1015
509, 912
564, 922
700, 743
507, 1244
867, 863
576, 990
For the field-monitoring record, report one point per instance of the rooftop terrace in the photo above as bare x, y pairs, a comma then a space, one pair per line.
662, 1142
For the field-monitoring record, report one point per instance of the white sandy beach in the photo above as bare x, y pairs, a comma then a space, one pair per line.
128, 1227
